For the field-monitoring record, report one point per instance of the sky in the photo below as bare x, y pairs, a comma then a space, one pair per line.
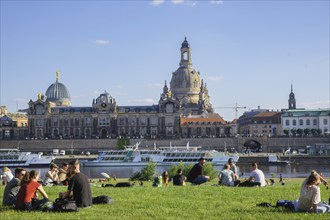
247, 52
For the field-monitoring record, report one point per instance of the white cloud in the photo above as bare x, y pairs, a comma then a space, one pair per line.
177, 1
192, 3
143, 101
214, 78
217, 2
101, 42
156, 2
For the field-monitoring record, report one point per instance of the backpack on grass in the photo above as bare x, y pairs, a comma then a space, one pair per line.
287, 204
64, 205
102, 200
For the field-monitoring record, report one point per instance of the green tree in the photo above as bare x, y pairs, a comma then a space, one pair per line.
286, 131
307, 131
208, 170
146, 174
293, 131
121, 142
299, 131
314, 131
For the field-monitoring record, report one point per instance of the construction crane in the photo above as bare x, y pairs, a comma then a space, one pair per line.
236, 107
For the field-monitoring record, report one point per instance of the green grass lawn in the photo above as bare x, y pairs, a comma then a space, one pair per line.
190, 202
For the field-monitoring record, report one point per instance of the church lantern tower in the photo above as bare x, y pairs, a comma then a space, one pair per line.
292, 99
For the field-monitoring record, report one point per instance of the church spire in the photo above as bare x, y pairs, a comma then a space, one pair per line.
292, 99
185, 53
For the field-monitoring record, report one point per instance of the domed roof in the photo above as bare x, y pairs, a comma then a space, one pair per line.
185, 43
58, 93
105, 98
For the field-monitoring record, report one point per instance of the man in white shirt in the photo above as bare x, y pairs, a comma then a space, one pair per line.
257, 177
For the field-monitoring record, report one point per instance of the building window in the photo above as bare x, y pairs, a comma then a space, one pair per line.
314, 122
55, 122
325, 121
88, 121
294, 122
301, 122
308, 122
76, 122
287, 122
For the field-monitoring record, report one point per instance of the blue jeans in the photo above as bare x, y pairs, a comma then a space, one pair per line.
199, 180
36, 204
11, 201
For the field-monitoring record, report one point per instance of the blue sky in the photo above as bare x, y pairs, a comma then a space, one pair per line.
247, 52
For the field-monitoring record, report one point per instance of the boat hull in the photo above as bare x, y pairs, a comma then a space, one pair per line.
140, 164
278, 163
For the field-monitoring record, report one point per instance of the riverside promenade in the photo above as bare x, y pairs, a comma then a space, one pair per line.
269, 144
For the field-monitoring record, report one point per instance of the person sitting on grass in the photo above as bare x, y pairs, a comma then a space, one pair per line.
11, 189
310, 195
196, 175
27, 197
257, 177
79, 185
7, 176
51, 176
179, 179
62, 174
227, 177
233, 168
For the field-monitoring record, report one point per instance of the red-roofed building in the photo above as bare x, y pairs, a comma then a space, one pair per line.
205, 125
260, 123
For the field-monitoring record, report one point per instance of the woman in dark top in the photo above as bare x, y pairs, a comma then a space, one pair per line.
179, 179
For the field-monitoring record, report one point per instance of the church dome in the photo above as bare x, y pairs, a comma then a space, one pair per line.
185, 43
58, 93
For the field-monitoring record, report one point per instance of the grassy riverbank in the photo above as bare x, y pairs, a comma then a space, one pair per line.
190, 202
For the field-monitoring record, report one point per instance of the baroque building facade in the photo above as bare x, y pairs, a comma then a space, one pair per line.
187, 101
104, 119
13, 125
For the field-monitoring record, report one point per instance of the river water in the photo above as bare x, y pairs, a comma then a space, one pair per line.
292, 171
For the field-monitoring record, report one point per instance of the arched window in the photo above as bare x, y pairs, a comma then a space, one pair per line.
308, 122
301, 122
294, 122
314, 122
325, 121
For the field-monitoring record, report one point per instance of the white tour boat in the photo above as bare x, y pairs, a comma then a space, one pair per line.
163, 156
16, 158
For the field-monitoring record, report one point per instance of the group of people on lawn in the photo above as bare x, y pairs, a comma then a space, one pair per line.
310, 194
22, 190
